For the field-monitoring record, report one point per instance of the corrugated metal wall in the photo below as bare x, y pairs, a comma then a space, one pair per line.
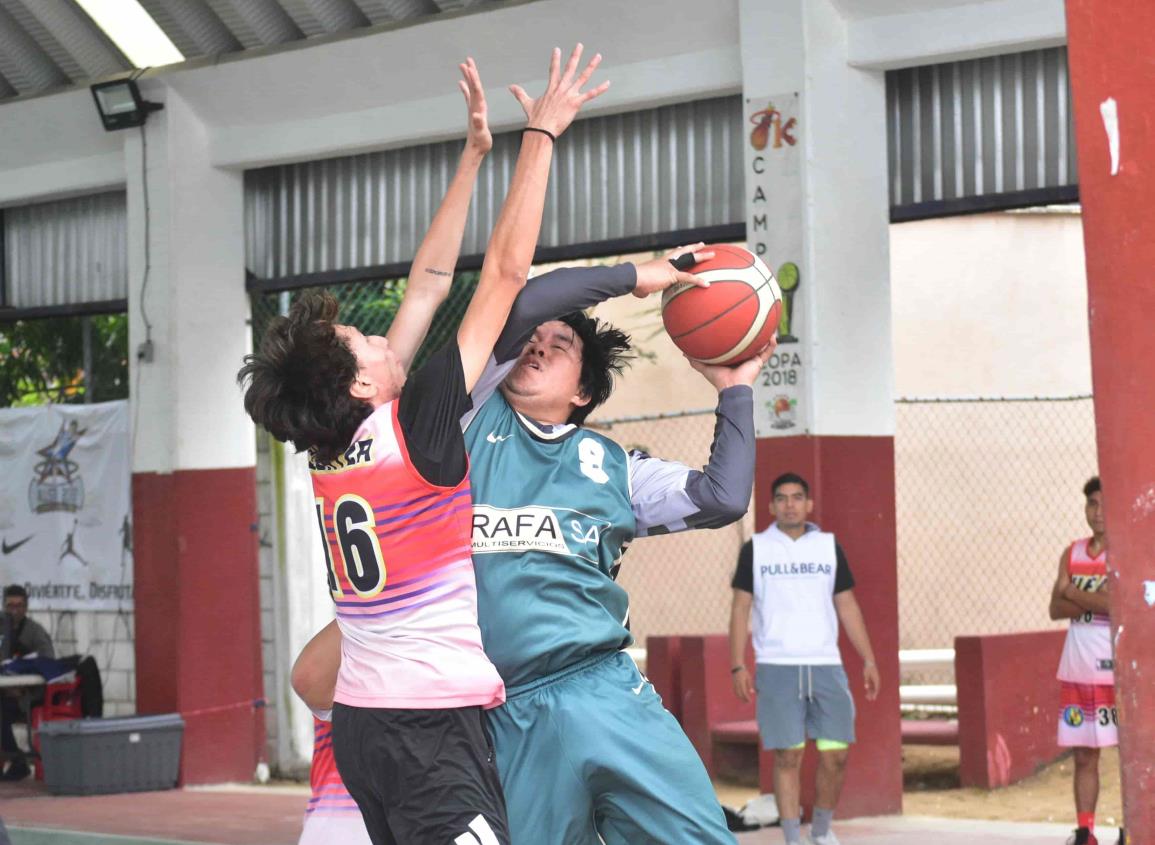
67, 252
641, 173
982, 127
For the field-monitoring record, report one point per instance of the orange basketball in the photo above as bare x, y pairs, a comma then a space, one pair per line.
734, 318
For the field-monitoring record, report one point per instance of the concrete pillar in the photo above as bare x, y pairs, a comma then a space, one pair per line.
1114, 97
825, 406
198, 639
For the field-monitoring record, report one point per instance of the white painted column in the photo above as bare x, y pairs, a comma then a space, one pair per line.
827, 211
187, 408
197, 585
842, 307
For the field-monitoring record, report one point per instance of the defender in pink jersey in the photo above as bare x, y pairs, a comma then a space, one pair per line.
1088, 719
390, 477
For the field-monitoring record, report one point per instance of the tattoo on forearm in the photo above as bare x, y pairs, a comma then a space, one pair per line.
433, 272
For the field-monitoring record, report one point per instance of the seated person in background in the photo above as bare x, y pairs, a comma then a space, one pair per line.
28, 638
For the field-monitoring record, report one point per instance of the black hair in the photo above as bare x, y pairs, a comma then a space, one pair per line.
789, 478
1092, 486
17, 591
606, 351
297, 383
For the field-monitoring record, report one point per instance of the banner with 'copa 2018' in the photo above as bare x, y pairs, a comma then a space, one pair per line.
65, 505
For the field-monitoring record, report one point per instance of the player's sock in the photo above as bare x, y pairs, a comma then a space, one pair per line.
820, 822
1086, 820
792, 830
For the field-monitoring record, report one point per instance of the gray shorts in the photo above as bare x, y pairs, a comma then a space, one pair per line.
796, 703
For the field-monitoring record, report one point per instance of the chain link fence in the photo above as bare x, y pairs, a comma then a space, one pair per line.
988, 494
988, 490
371, 306
678, 583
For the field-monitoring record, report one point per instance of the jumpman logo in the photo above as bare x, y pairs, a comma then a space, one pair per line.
68, 549
126, 535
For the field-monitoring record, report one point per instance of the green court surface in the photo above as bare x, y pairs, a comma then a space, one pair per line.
45, 836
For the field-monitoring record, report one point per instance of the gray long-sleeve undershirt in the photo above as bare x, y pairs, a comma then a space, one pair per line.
667, 496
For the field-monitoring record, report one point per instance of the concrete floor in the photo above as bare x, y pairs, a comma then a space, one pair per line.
272, 816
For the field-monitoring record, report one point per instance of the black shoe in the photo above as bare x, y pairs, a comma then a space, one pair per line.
17, 770
1122, 837
1083, 836
735, 823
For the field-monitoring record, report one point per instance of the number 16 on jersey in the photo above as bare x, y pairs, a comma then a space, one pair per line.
355, 534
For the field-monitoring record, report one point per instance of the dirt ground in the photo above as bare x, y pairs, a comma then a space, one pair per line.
931, 788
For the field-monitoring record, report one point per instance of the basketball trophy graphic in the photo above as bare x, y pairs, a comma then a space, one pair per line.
57, 485
788, 281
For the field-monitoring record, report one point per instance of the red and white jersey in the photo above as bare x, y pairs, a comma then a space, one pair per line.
1088, 657
332, 814
398, 551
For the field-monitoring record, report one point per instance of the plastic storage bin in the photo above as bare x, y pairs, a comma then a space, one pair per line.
94, 756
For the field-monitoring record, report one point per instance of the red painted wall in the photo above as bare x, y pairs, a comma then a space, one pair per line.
664, 670
707, 691
1110, 50
1008, 705
198, 632
852, 483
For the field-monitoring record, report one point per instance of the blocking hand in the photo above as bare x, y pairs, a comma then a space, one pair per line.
479, 139
555, 109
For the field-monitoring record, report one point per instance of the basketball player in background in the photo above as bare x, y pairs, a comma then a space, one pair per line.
1088, 719
412, 679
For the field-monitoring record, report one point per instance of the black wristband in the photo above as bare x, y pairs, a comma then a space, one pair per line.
545, 132
737, 669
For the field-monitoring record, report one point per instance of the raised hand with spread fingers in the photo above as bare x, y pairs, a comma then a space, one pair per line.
563, 98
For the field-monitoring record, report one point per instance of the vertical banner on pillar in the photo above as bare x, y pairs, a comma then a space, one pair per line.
774, 233
65, 509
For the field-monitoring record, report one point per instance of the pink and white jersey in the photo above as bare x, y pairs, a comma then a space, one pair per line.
332, 814
398, 552
1088, 657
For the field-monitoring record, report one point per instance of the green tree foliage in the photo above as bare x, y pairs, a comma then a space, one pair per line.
43, 361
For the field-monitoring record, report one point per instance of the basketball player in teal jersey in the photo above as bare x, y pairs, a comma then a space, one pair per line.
555, 506
584, 746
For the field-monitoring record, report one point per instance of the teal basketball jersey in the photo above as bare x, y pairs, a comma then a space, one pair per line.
551, 519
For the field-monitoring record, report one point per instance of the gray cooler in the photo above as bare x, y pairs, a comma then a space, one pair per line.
130, 754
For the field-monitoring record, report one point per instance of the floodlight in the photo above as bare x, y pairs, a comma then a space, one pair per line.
120, 104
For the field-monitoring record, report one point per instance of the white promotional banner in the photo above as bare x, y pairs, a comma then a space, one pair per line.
774, 227
65, 505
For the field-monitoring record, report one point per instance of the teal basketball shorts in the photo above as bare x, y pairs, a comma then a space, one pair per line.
591, 752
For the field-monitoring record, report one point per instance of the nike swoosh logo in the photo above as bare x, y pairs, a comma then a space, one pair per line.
638, 688
497, 438
9, 548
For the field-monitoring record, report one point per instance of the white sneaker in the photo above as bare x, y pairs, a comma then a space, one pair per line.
828, 839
